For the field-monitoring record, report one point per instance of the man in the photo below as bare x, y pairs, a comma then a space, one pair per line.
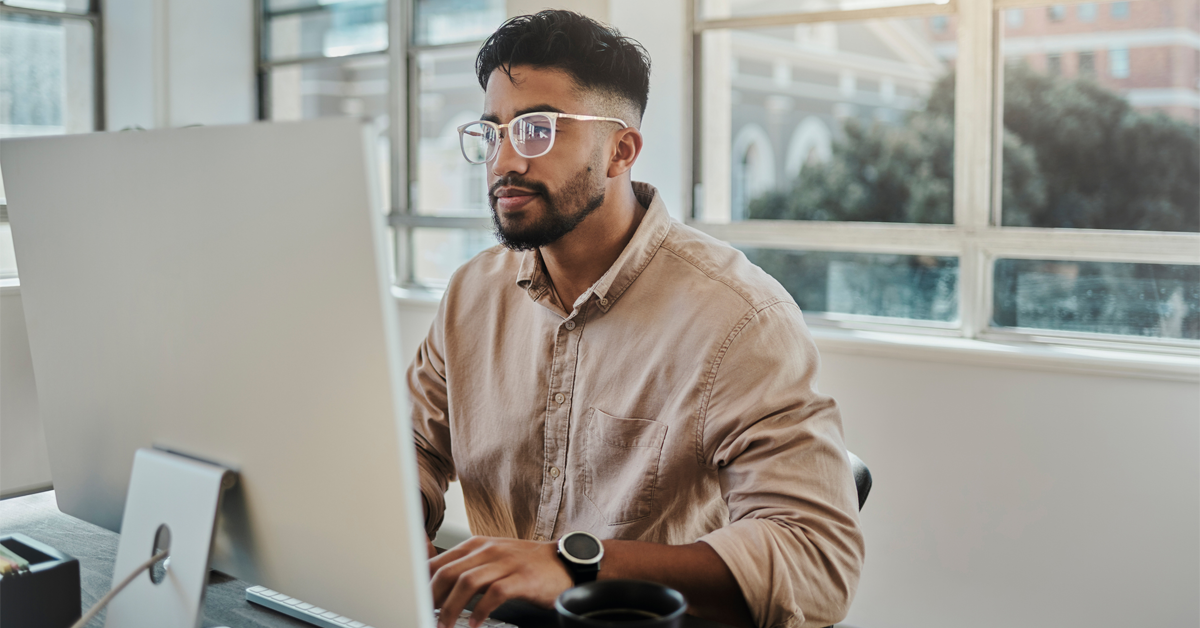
608, 370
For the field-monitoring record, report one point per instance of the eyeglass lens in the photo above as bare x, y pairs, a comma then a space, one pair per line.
532, 136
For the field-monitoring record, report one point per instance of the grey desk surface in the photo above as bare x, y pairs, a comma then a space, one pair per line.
38, 517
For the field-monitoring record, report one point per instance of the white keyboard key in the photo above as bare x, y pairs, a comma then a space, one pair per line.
357, 624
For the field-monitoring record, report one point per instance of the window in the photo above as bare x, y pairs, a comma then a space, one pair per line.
1118, 62
1054, 64
48, 79
1120, 10
1087, 63
960, 203
341, 58
321, 59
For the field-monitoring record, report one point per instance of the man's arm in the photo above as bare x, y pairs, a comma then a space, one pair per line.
431, 424
504, 569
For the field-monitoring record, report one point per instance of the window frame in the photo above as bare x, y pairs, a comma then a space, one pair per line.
976, 236
402, 53
94, 16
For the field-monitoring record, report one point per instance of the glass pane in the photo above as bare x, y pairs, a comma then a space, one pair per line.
46, 77
355, 87
439, 252
717, 9
844, 121
913, 287
456, 21
329, 30
1102, 116
68, 6
1108, 298
446, 184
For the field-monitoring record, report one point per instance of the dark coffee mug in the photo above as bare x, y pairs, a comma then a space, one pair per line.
621, 604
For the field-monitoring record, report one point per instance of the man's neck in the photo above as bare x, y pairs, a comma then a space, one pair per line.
581, 257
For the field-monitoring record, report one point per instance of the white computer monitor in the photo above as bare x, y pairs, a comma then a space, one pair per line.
224, 292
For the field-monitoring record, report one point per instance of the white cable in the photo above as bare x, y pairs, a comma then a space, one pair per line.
98, 606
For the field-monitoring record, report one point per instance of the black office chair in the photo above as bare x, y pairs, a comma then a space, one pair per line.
862, 478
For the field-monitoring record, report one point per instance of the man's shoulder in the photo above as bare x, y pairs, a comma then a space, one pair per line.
489, 266
726, 270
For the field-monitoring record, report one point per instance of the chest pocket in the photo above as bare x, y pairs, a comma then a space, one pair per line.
621, 460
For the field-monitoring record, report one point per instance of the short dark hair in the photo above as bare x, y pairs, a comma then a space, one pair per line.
597, 57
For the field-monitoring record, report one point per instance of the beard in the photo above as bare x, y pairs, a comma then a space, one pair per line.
582, 195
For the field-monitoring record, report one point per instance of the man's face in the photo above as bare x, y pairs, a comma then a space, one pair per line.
537, 201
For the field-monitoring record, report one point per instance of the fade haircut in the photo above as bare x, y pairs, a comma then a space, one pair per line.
598, 58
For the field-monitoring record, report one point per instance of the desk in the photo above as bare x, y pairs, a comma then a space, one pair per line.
38, 517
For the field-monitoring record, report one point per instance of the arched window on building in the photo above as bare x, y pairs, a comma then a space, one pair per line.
753, 168
812, 142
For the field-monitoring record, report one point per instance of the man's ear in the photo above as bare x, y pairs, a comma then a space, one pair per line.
625, 152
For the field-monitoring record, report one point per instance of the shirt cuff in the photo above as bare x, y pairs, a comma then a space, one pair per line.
752, 552
434, 496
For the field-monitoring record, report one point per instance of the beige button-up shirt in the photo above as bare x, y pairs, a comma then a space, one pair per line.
676, 401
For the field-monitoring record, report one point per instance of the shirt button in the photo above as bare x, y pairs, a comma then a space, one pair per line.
603, 301
553, 472
570, 325
539, 538
560, 398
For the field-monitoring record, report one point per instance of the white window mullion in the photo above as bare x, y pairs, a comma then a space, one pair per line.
973, 156
891, 238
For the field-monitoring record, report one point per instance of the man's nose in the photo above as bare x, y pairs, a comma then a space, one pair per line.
508, 160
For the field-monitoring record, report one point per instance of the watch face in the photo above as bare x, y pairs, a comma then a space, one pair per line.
581, 547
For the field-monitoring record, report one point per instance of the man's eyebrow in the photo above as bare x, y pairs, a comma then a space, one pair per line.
491, 117
537, 109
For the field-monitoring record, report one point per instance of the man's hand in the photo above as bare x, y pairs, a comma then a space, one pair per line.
500, 569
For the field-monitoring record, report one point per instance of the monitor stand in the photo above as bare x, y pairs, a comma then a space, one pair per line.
172, 504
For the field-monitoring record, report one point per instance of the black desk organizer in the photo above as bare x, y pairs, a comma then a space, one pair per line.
47, 596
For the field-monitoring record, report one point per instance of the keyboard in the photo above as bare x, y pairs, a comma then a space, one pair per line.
317, 616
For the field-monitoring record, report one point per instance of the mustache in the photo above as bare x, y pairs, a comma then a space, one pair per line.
517, 181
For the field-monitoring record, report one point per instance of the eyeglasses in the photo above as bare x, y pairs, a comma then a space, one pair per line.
532, 135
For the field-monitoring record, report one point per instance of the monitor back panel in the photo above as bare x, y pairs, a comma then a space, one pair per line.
224, 292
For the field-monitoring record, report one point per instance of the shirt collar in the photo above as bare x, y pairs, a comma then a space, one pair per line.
645, 243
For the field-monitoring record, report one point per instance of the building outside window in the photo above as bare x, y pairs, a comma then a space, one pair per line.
1014, 18
1120, 10
50, 63
1086, 12
1056, 12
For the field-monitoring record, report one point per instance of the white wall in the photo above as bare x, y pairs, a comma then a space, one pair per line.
23, 462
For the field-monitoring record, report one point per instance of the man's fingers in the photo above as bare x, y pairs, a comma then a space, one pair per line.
469, 583
453, 564
455, 553
497, 593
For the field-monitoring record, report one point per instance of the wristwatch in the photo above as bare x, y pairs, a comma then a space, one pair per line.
581, 553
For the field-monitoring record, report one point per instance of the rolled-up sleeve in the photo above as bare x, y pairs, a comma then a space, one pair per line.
793, 542
431, 424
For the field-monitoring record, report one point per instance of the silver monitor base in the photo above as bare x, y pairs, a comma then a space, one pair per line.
172, 504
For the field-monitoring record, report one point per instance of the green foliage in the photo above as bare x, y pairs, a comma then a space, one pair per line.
1074, 155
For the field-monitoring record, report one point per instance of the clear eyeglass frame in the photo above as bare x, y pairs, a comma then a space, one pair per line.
531, 135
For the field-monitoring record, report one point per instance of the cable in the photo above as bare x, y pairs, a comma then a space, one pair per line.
98, 606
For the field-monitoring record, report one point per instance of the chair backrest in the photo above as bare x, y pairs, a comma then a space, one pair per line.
862, 478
